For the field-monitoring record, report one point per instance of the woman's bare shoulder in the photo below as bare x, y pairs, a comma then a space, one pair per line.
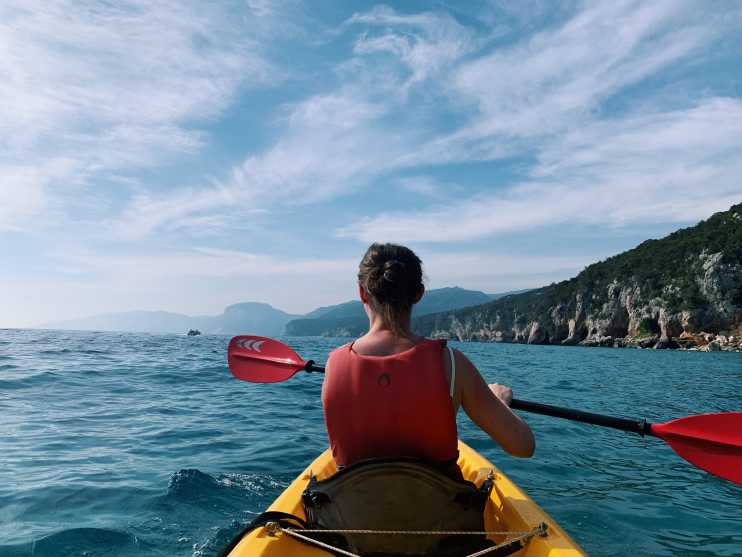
463, 363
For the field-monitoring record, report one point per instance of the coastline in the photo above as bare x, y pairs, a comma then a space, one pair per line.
689, 342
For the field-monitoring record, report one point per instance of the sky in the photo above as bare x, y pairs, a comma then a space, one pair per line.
184, 156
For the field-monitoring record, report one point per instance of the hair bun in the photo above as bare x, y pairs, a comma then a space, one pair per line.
393, 271
392, 276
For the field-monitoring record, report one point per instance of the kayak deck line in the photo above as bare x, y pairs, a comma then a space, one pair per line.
541, 529
511, 538
508, 511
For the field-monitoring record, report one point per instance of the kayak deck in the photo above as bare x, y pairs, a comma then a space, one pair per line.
508, 509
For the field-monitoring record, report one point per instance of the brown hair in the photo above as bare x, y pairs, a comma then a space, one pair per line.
392, 276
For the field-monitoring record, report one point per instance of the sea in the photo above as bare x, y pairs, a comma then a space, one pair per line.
124, 444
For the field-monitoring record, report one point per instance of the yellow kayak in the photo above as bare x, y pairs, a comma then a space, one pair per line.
509, 514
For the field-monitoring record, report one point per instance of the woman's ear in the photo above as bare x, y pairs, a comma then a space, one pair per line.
362, 293
419, 294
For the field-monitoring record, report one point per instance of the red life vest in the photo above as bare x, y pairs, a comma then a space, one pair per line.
389, 406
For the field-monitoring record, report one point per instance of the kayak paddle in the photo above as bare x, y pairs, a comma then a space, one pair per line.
263, 360
712, 442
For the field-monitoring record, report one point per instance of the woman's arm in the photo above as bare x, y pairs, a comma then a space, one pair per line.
488, 407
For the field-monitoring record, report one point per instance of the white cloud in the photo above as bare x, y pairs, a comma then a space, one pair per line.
508, 102
556, 79
125, 87
22, 189
203, 262
114, 86
541, 85
332, 144
21, 192
426, 43
676, 166
426, 186
147, 212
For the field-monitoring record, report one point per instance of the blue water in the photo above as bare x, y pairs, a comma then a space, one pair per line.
130, 444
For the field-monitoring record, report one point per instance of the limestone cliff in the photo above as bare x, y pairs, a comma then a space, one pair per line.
684, 290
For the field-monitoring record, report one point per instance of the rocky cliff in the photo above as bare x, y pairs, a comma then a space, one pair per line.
683, 291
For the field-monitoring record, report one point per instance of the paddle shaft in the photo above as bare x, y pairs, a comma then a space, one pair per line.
640, 427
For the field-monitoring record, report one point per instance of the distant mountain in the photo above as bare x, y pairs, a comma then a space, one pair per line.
346, 309
442, 299
684, 290
249, 317
253, 318
349, 318
263, 319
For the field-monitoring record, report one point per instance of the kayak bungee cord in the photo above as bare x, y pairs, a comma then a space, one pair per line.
542, 527
513, 541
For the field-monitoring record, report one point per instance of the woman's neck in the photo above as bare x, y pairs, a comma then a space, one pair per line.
381, 340
376, 325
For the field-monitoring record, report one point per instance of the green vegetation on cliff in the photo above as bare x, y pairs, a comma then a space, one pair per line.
689, 281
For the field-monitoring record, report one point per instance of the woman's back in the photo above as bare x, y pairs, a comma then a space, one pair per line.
389, 404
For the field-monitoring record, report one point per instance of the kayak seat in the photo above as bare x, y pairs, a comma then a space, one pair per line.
400, 495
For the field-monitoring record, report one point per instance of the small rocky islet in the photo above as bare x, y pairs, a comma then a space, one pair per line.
683, 291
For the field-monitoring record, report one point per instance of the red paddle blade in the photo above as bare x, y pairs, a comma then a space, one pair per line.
712, 442
262, 360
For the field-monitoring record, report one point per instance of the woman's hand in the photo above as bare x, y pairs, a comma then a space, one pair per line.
502, 392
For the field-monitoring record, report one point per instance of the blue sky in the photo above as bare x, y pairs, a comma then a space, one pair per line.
176, 156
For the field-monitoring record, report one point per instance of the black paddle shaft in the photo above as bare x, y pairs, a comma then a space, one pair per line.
312, 367
642, 427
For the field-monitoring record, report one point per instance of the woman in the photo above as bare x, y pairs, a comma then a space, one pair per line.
392, 393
